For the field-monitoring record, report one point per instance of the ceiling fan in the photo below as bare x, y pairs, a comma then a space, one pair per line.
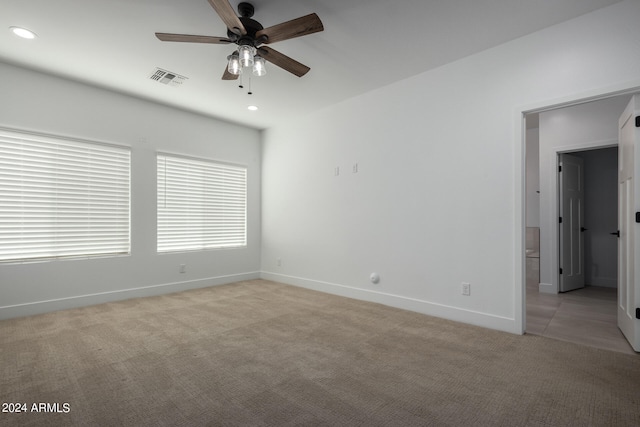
250, 36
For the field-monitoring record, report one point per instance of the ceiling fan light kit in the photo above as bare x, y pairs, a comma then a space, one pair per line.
249, 35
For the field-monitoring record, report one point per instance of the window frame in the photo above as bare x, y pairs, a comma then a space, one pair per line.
203, 225
64, 180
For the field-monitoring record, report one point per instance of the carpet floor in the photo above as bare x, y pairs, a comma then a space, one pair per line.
260, 353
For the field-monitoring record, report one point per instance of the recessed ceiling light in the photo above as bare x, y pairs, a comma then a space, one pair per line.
23, 32
252, 108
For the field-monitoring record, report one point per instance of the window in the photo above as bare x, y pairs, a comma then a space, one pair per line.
201, 204
62, 198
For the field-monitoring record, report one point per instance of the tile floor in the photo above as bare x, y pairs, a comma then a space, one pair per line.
585, 316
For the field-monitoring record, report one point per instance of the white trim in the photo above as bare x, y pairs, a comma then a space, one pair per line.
39, 307
585, 146
412, 304
628, 88
519, 223
18, 132
547, 288
201, 159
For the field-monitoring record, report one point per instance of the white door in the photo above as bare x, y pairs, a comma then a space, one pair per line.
629, 204
571, 179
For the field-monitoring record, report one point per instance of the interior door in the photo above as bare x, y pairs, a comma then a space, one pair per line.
571, 179
629, 204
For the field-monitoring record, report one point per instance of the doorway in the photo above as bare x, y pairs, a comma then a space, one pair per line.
588, 315
600, 219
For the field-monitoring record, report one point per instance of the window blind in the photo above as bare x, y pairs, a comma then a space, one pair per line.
201, 204
62, 198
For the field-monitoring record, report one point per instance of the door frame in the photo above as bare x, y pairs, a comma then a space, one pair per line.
520, 132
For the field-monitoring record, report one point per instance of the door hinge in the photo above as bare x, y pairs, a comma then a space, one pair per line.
560, 220
637, 216
560, 271
637, 313
560, 168
638, 121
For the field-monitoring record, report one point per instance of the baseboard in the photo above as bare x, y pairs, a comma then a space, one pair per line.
412, 304
547, 288
605, 282
39, 307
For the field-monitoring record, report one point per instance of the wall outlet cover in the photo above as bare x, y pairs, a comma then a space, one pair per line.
466, 288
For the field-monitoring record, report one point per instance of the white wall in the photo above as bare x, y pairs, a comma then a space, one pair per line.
579, 127
37, 102
438, 198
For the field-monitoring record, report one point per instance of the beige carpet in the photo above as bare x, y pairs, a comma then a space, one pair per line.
265, 354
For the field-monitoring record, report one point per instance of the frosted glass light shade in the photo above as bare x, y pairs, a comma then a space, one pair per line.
246, 53
234, 64
259, 66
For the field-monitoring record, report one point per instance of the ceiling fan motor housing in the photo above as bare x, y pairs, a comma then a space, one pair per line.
245, 10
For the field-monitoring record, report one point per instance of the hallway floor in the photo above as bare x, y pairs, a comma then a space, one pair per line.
585, 316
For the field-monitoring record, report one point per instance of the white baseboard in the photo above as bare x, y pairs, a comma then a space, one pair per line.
39, 307
605, 282
412, 304
547, 288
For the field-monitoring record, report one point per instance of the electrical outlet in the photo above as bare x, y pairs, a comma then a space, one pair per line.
466, 289
183, 268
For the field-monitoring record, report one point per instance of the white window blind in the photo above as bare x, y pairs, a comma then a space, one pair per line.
201, 204
62, 197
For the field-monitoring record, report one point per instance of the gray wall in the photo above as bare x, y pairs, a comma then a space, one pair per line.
47, 104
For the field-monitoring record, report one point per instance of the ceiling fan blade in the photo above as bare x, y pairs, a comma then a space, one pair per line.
167, 37
283, 61
228, 16
302, 26
228, 76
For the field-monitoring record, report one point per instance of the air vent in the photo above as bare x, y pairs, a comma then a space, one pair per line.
167, 77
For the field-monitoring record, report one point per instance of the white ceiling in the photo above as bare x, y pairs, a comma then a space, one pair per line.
366, 44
